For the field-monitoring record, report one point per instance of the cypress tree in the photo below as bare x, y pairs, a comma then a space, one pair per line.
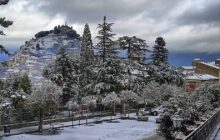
86, 54
86, 60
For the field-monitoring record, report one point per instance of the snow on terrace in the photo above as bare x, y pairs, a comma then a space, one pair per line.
123, 130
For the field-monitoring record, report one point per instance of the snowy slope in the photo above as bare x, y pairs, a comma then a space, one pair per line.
38, 52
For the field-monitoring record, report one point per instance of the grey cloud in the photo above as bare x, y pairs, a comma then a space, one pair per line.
209, 14
146, 19
201, 44
91, 11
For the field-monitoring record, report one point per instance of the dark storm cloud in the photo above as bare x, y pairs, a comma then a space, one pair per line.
186, 25
208, 14
93, 10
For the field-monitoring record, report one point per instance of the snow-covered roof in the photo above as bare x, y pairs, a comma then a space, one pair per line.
187, 67
211, 64
202, 77
197, 59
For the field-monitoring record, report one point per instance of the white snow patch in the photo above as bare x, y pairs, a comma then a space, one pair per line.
125, 130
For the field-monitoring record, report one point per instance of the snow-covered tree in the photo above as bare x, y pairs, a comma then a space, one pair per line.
129, 96
18, 98
105, 36
44, 98
189, 106
160, 53
16, 87
111, 98
5, 110
89, 100
165, 74
136, 47
25, 83
150, 93
86, 45
87, 60
64, 72
72, 105
5, 24
211, 91
107, 78
166, 126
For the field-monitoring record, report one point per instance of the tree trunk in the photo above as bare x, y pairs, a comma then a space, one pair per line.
40, 128
124, 112
114, 109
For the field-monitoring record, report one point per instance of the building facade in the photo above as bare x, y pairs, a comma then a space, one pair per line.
200, 72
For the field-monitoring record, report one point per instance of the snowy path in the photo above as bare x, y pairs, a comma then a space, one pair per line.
118, 130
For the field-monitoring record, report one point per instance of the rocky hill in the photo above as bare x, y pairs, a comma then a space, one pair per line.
40, 51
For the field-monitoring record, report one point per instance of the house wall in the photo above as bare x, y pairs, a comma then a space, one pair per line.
191, 85
206, 69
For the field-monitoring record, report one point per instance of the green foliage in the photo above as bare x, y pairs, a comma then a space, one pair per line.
166, 126
1, 86
87, 60
160, 53
136, 47
64, 71
105, 39
25, 84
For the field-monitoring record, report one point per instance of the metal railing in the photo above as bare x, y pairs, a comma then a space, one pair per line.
203, 131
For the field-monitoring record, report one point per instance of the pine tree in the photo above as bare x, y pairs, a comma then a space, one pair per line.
136, 47
105, 39
86, 60
160, 53
5, 24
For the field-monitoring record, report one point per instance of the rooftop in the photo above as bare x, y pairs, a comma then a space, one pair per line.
187, 67
211, 64
202, 77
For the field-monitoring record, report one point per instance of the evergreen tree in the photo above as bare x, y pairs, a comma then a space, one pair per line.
5, 24
64, 72
25, 84
136, 47
107, 78
105, 39
86, 60
160, 53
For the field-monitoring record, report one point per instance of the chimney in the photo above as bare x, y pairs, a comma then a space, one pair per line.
217, 62
195, 61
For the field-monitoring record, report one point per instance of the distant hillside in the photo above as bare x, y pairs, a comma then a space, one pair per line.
41, 50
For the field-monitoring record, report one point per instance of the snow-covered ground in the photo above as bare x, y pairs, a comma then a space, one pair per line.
118, 130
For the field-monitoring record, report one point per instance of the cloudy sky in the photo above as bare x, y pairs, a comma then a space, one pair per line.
186, 25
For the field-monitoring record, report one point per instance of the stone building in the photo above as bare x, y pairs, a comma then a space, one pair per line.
200, 72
